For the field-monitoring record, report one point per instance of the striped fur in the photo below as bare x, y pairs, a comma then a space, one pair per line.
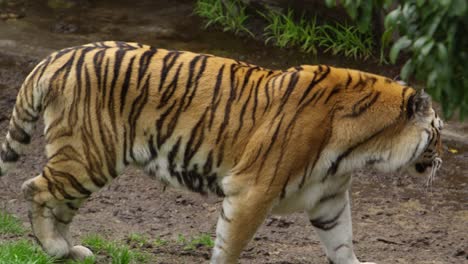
265, 140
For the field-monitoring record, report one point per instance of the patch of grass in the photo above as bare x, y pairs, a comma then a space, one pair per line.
22, 252
346, 40
10, 225
284, 30
159, 242
196, 241
202, 240
229, 14
120, 254
138, 239
181, 239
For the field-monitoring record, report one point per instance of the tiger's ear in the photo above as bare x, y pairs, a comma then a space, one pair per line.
419, 104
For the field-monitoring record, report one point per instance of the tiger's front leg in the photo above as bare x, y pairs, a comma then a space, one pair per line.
331, 220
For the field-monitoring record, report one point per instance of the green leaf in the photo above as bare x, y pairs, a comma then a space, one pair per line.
392, 18
427, 48
435, 23
402, 43
417, 45
365, 18
407, 70
432, 78
420, 3
442, 52
330, 3
445, 3
458, 8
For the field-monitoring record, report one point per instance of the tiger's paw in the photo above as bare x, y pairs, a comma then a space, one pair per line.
367, 263
80, 253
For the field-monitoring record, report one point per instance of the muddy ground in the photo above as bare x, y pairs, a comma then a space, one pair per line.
395, 218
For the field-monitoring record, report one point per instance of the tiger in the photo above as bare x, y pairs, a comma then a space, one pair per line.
265, 141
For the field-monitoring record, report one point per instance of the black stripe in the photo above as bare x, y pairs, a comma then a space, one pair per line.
326, 225
71, 179
18, 134
66, 67
252, 162
283, 190
171, 159
170, 89
144, 63
151, 147
196, 139
161, 136
97, 63
360, 83
247, 76
363, 104
223, 216
135, 112
254, 107
241, 116
126, 84
270, 146
71, 206
350, 79
334, 91
216, 95
119, 54
168, 62
323, 143
267, 94
231, 98
316, 80
221, 152
335, 164
208, 164
195, 85
291, 86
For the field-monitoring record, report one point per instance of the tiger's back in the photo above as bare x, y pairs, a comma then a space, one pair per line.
263, 139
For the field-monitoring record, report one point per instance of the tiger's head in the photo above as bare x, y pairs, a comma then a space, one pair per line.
426, 159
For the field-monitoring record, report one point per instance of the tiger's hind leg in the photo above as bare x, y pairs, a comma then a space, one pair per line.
64, 214
55, 196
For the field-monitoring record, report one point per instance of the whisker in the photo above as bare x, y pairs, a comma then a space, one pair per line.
436, 164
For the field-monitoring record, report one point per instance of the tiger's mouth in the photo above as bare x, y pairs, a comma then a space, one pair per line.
428, 168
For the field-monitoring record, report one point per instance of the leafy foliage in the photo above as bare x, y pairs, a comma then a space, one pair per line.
360, 10
436, 35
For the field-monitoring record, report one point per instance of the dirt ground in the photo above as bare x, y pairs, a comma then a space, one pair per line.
395, 218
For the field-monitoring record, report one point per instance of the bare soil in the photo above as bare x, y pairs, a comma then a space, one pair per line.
395, 218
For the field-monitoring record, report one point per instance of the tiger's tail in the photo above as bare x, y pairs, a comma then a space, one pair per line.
22, 123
